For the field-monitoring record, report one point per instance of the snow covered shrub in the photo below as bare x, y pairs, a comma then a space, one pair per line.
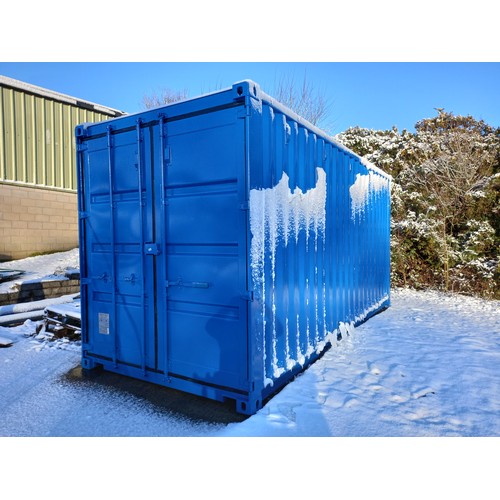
477, 277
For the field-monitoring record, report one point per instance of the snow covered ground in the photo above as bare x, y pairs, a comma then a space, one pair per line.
50, 266
429, 366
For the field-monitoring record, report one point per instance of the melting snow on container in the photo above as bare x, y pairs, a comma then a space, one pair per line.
315, 275
365, 186
278, 216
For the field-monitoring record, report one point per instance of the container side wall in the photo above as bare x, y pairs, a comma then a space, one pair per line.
319, 241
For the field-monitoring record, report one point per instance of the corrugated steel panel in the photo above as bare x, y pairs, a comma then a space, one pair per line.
319, 239
37, 145
225, 243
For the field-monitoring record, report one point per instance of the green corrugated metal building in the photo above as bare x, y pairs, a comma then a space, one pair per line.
38, 167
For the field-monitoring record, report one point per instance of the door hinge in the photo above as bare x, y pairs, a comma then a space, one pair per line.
244, 113
248, 295
167, 155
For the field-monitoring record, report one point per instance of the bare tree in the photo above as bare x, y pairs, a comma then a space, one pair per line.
166, 96
304, 98
307, 100
449, 179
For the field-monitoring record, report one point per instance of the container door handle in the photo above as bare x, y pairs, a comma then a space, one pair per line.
188, 284
104, 277
196, 284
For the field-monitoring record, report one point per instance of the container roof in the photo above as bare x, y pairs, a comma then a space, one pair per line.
6, 81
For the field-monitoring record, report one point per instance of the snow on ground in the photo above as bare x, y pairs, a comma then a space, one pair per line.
427, 366
50, 266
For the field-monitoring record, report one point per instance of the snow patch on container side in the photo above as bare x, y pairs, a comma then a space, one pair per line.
365, 186
280, 214
277, 216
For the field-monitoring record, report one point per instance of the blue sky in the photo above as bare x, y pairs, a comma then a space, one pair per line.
373, 95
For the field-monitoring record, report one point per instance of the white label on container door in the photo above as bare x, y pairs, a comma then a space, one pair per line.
104, 323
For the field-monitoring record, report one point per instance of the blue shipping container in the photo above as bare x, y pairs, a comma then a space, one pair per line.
225, 242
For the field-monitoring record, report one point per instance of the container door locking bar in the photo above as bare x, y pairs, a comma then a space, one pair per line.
188, 284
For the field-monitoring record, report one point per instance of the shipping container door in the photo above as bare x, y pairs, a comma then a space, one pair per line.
118, 225
202, 300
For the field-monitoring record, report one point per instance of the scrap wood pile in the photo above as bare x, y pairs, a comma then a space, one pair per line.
62, 320
16, 314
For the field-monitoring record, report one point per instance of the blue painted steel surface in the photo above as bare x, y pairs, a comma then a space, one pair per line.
224, 244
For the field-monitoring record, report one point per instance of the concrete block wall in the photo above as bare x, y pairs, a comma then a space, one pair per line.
33, 291
35, 220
